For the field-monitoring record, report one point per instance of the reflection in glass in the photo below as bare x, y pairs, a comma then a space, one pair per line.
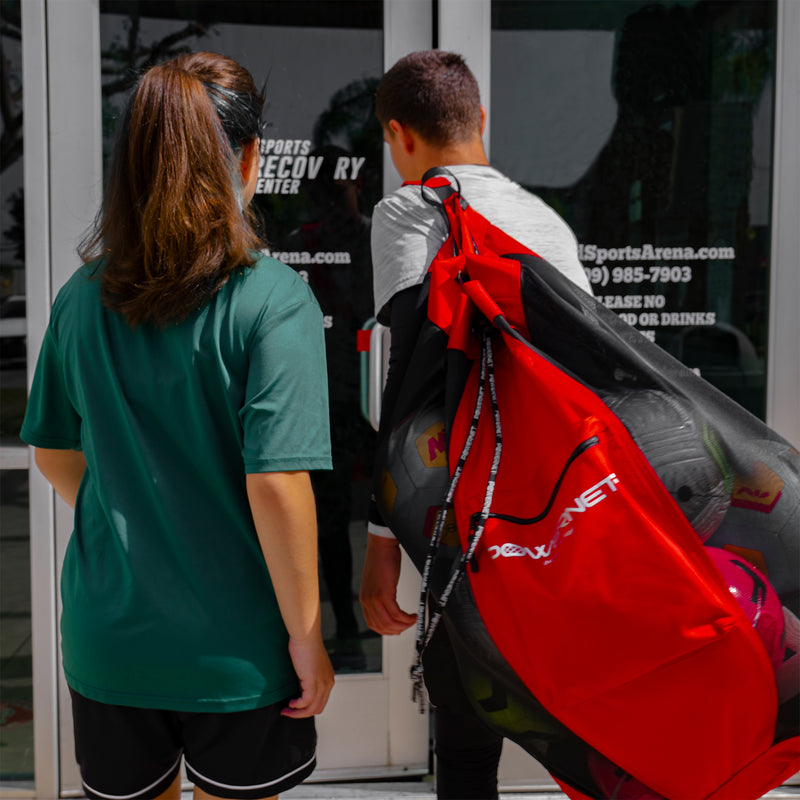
336, 224
12, 238
655, 146
321, 167
16, 667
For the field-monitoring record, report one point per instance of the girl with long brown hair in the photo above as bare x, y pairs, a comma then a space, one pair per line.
178, 404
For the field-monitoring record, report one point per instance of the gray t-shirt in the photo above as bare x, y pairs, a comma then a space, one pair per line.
407, 232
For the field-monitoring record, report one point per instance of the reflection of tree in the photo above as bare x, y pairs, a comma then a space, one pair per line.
678, 165
350, 114
10, 95
122, 63
686, 79
11, 139
126, 57
15, 234
349, 121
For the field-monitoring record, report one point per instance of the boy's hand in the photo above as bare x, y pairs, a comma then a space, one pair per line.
378, 593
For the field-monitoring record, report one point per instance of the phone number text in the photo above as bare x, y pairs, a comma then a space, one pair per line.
602, 276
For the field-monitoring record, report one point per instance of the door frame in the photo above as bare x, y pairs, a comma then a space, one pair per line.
62, 115
783, 355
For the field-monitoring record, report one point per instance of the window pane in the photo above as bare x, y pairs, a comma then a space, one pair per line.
16, 670
12, 243
649, 128
321, 167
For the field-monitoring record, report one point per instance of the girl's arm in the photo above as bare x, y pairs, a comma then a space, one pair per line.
284, 513
63, 469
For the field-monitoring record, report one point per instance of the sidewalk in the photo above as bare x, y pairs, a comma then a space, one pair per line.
423, 790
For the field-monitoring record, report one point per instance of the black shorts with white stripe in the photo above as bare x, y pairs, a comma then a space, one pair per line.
127, 753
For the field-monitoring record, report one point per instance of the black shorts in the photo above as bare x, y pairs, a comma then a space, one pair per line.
135, 753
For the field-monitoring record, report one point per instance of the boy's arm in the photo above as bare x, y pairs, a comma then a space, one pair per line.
283, 510
378, 593
63, 469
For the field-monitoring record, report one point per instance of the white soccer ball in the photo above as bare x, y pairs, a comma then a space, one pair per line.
683, 451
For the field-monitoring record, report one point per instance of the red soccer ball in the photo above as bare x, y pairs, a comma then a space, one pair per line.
757, 598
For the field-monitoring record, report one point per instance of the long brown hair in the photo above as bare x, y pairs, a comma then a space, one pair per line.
171, 229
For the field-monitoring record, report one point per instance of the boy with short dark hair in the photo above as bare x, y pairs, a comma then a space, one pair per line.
429, 106
412, 89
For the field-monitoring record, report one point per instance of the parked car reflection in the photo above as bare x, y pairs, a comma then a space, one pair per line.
726, 358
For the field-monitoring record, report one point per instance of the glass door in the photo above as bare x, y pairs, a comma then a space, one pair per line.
657, 149
320, 176
649, 128
322, 171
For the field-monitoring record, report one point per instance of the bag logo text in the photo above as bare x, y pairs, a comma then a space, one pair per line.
564, 527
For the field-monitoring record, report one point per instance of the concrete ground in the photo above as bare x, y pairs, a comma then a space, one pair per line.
423, 790
420, 790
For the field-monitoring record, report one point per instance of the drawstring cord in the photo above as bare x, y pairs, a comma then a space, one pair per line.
425, 631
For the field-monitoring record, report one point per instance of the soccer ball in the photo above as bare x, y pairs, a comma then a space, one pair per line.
788, 676
762, 524
684, 453
757, 598
415, 480
615, 783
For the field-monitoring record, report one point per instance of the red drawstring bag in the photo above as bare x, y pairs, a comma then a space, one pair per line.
582, 570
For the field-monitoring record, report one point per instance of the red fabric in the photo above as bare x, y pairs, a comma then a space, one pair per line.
767, 772
609, 608
570, 792
363, 338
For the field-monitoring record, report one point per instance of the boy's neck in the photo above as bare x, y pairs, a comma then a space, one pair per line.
413, 155
428, 156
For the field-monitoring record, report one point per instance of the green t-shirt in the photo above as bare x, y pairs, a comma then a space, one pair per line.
167, 601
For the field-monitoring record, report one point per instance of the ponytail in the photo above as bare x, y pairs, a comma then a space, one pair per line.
172, 229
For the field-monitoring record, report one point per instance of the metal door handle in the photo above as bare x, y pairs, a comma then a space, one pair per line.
374, 366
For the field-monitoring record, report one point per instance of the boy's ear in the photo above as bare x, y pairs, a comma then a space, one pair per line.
403, 134
483, 120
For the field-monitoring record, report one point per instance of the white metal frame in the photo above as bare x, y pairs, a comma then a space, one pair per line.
783, 352
407, 27
465, 27
75, 150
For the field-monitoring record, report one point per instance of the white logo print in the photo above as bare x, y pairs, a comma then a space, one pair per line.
584, 501
509, 550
